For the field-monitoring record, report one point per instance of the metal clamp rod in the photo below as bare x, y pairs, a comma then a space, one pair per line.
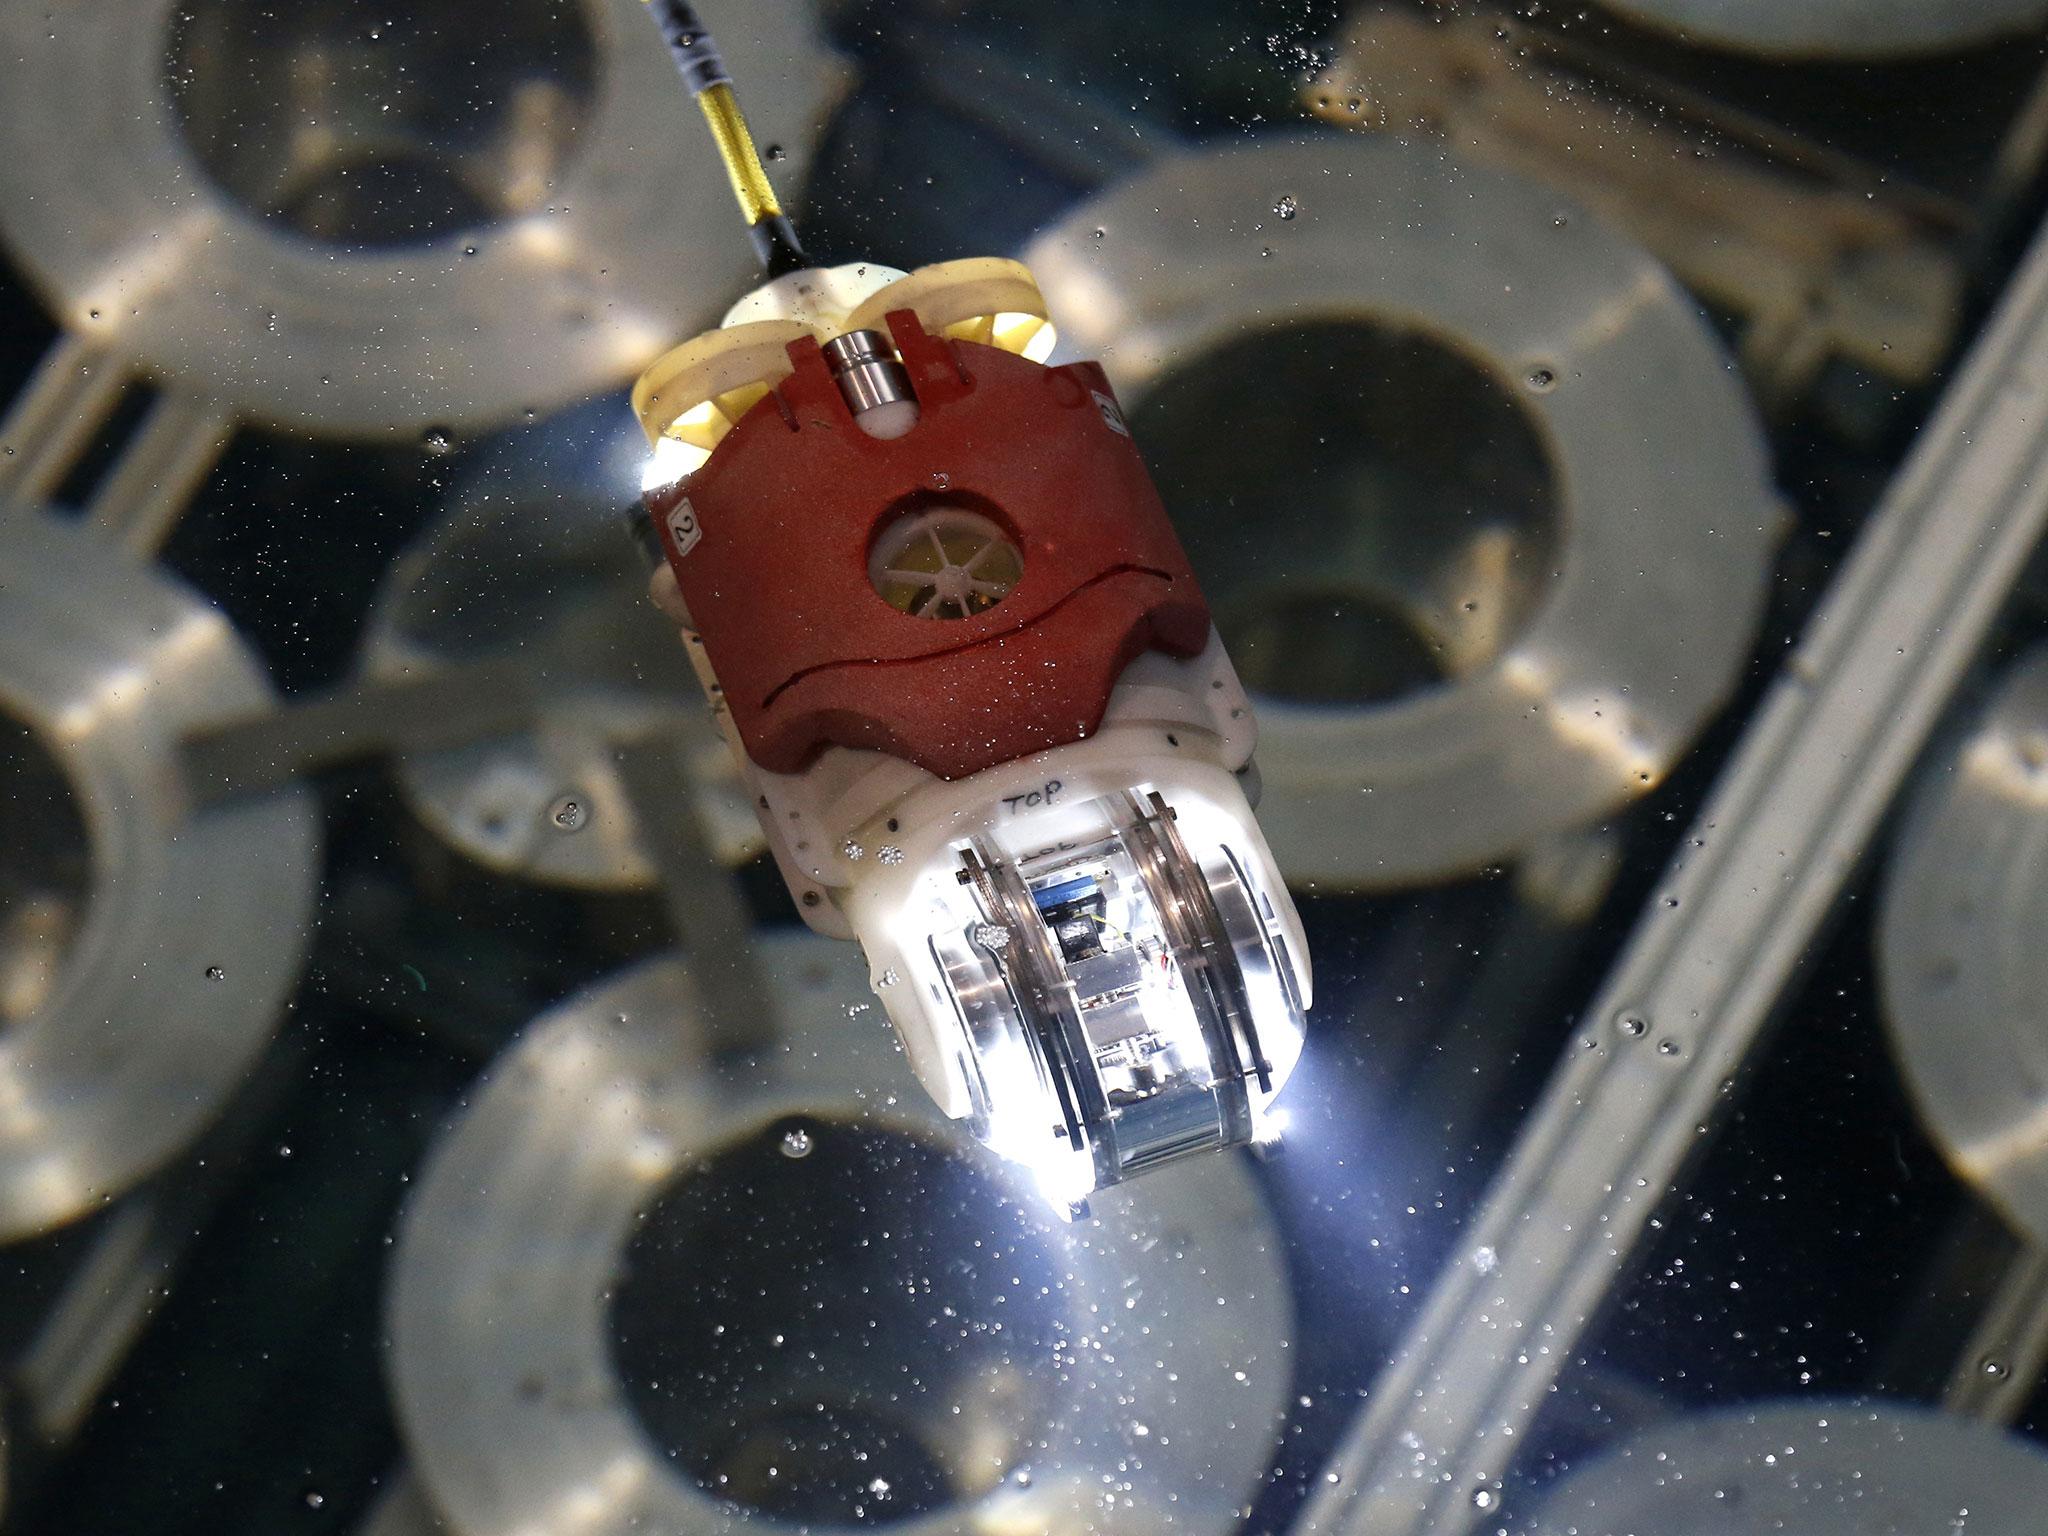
67, 403
146, 491
1774, 226
464, 703
704, 903
1999, 1369
259, 753
1792, 814
55, 417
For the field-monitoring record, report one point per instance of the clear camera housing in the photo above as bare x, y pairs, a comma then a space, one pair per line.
1117, 986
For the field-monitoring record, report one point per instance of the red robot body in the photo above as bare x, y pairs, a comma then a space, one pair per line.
772, 542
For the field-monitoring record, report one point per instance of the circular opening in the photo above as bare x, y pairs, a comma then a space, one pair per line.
1370, 512
45, 875
375, 125
832, 1323
944, 562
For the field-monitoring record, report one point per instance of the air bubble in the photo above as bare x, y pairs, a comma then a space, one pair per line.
568, 813
797, 1142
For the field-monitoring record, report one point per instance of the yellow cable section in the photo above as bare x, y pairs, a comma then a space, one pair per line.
736, 149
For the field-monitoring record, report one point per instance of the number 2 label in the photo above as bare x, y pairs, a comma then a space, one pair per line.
683, 527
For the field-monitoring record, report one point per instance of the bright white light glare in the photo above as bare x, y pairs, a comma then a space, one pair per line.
672, 459
1065, 1178
1040, 346
1269, 1125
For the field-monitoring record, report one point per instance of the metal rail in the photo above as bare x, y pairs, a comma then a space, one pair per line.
1640, 1082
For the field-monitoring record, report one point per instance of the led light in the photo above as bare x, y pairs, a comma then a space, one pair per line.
671, 460
1030, 336
1043, 340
